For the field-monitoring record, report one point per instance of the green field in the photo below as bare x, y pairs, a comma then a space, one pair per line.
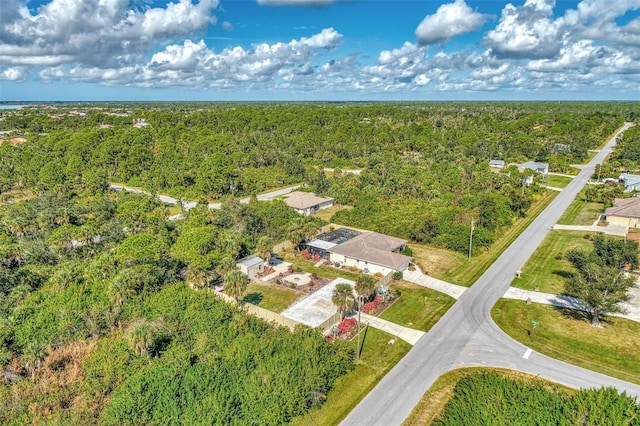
378, 357
273, 298
567, 335
558, 181
581, 213
417, 307
547, 267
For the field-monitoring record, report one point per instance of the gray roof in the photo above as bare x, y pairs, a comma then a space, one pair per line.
496, 163
630, 179
304, 200
250, 261
533, 165
374, 248
321, 244
624, 207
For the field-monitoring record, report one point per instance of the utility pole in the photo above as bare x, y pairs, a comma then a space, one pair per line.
359, 309
470, 239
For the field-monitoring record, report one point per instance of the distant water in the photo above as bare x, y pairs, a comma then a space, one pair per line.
12, 106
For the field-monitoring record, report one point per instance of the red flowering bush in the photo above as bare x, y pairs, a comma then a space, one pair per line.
316, 257
306, 255
371, 306
346, 326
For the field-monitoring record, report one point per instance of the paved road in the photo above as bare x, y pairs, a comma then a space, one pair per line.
466, 335
188, 205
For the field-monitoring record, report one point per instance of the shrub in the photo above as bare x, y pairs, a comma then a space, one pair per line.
346, 326
306, 255
397, 275
371, 306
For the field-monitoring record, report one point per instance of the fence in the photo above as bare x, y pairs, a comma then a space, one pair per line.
271, 316
330, 322
386, 279
284, 245
262, 313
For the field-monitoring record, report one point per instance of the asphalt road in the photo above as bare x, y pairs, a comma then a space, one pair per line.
467, 336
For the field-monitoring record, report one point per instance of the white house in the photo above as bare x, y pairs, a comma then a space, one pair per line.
372, 253
307, 203
542, 168
630, 182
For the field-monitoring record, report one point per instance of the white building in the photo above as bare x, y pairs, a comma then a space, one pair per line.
372, 253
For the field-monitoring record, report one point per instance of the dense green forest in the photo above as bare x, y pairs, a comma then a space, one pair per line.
425, 171
490, 399
97, 324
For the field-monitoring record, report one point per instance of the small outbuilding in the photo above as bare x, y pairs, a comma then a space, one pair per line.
496, 164
251, 266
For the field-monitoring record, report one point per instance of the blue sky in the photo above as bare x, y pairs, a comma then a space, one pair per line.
219, 50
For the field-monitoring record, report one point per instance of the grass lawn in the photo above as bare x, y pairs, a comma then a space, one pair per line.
273, 298
565, 334
418, 307
327, 214
456, 269
323, 271
547, 267
434, 401
558, 181
581, 212
378, 357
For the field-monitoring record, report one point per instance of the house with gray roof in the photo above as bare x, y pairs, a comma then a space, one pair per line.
541, 168
625, 211
371, 252
307, 203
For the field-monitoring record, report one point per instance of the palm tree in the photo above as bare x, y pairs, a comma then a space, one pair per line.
235, 283
33, 356
141, 336
197, 277
365, 285
226, 265
263, 247
121, 287
343, 297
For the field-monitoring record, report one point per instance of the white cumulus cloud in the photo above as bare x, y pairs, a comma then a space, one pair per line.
450, 20
527, 31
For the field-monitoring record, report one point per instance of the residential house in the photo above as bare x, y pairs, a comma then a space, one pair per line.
625, 211
540, 168
307, 203
251, 266
630, 182
372, 253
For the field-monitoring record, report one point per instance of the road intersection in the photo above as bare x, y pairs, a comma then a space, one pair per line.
467, 336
